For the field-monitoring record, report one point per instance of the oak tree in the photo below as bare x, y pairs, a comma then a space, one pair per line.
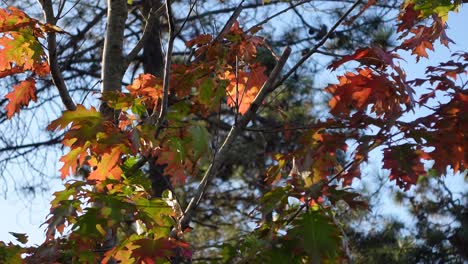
185, 116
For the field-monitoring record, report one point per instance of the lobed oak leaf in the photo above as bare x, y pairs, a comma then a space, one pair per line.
20, 49
106, 166
21, 95
242, 90
151, 251
78, 117
424, 37
446, 133
13, 19
147, 86
175, 165
366, 88
200, 40
368, 56
409, 17
70, 161
404, 163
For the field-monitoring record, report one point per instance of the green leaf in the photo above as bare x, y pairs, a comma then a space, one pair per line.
138, 107
200, 139
439, 7
80, 116
316, 236
206, 91
10, 253
22, 238
273, 199
86, 224
179, 111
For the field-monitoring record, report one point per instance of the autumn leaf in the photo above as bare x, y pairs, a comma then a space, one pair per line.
71, 161
147, 86
200, 40
446, 133
151, 251
243, 89
366, 88
404, 163
368, 56
21, 49
423, 38
175, 165
78, 117
106, 166
21, 95
408, 17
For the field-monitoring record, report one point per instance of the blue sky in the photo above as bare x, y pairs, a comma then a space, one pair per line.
26, 214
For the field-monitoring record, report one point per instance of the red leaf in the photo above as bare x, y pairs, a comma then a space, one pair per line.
358, 91
447, 134
404, 163
424, 37
21, 95
200, 40
367, 56
408, 18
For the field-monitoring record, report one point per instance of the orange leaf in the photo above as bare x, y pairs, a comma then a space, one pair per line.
107, 166
70, 161
146, 86
242, 90
22, 93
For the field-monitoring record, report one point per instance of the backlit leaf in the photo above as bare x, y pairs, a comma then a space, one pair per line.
21, 95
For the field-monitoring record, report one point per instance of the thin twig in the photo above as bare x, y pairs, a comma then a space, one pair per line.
152, 16
319, 44
186, 18
230, 22
55, 71
167, 74
277, 14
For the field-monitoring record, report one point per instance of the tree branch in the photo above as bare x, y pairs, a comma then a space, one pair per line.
230, 22
55, 71
319, 44
153, 15
167, 74
221, 155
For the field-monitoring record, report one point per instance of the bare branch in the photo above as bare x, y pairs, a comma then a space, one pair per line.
56, 73
230, 21
167, 73
152, 16
292, 6
319, 44
49, 142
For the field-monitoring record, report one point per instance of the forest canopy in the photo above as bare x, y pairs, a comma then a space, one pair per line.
206, 131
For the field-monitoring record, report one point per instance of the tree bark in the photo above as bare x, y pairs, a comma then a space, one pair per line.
113, 69
113, 61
